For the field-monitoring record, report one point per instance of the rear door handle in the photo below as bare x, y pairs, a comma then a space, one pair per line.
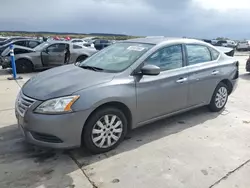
181, 80
215, 72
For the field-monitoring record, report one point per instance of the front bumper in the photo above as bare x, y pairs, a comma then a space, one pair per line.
54, 131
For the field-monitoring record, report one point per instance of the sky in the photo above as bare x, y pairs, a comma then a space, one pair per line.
174, 18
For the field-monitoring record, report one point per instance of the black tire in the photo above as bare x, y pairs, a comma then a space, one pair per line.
81, 58
213, 106
90, 124
24, 66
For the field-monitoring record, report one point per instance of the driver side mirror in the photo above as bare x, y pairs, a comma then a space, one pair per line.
151, 70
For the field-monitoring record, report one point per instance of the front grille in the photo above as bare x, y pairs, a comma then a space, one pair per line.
23, 103
46, 137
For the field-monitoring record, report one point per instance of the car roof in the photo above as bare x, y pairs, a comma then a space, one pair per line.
158, 40
26, 39
16, 40
58, 41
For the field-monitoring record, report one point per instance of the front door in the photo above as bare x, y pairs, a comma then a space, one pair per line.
204, 73
53, 55
166, 92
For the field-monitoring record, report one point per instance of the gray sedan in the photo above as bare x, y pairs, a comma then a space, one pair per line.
46, 55
123, 86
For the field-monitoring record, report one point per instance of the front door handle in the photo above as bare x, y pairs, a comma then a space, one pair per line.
181, 80
215, 72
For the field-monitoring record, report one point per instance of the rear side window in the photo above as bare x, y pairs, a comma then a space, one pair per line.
214, 53
197, 54
33, 44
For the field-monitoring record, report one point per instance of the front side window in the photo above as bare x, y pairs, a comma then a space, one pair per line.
56, 47
167, 58
197, 54
117, 57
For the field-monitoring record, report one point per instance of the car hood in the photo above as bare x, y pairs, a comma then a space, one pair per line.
63, 81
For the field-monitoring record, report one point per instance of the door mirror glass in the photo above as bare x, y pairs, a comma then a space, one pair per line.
150, 70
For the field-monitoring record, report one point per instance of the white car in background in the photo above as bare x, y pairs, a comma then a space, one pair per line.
226, 43
78, 41
243, 45
231, 43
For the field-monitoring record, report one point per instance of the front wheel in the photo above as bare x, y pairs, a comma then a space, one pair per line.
219, 98
81, 58
105, 130
24, 66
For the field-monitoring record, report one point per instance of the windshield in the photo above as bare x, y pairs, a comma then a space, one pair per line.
6, 41
117, 57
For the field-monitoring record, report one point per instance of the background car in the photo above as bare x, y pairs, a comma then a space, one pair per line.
248, 65
78, 41
45, 55
30, 43
10, 39
226, 43
98, 44
3, 38
226, 50
243, 45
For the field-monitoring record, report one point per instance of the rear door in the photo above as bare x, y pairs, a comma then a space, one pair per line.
204, 73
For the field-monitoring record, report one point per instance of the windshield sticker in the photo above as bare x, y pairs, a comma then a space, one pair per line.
135, 48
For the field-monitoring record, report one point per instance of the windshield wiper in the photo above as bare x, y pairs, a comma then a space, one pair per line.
91, 68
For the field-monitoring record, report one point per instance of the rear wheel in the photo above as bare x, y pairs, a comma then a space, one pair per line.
24, 66
219, 98
105, 130
81, 58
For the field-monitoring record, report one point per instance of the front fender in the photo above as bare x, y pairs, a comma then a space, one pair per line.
114, 91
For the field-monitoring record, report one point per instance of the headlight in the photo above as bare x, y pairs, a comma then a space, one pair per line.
58, 105
17, 97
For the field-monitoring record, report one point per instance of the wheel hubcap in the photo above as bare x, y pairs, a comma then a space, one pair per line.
107, 131
221, 97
